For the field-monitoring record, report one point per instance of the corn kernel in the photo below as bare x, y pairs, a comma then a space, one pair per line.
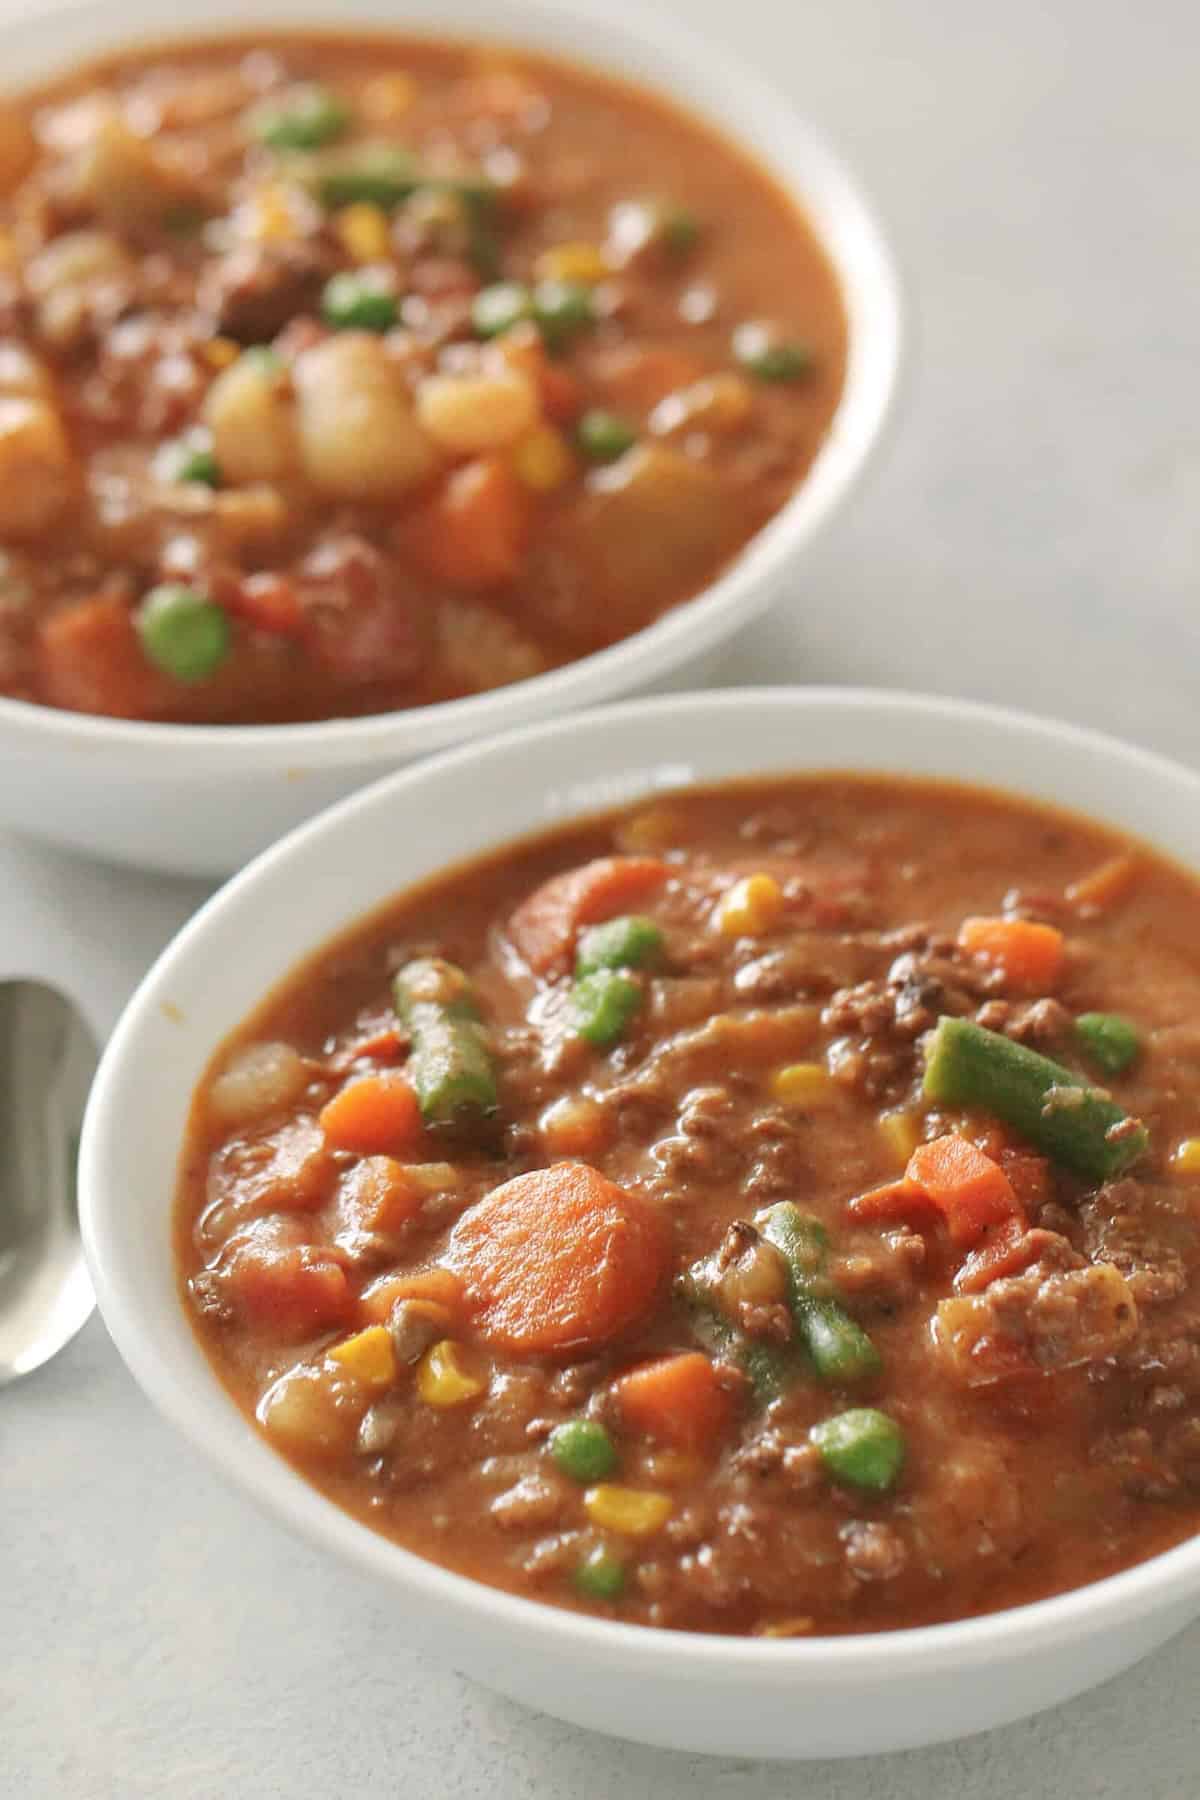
368, 1356
1187, 1157
387, 97
633, 1511
543, 460
901, 1132
219, 352
363, 229
802, 1084
800, 1626
751, 907
585, 263
268, 215
441, 1379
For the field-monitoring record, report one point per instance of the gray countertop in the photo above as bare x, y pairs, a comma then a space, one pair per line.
1029, 538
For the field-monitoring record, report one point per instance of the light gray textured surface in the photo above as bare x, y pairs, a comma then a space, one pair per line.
1030, 539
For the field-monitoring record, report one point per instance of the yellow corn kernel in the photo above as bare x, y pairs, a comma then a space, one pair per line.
1187, 1157
800, 1626
387, 97
219, 352
441, 1379
901, 1132
802, 1084
363, 229
572, 262
634, 1511
543, 460
368, 1356
750, 907
267, 215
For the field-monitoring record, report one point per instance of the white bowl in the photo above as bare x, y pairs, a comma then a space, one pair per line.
745, 1697
201, 799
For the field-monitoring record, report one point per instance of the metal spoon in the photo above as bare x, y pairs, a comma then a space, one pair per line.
47, 1060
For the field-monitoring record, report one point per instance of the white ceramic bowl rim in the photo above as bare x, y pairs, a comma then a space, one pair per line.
225, 1436
689, 69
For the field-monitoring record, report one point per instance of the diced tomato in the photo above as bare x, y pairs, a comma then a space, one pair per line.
268, 603
292, 1292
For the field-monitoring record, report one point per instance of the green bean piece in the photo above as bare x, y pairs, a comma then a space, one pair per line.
603, 436
450, 1065
304, 119
601, 1575
840, 1349
381, 173
498, 308
603, 1004
1111, 1041
1061, 1114
562, 309
760, 349
630, 942
583, 1450
183, 632
863, 1448
638, 225
353, 301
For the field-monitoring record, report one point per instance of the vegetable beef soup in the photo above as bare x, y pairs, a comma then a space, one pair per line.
339, 375
773, 1210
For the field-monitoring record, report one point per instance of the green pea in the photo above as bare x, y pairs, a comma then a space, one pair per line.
600, 1576
603, 436
562, 309
639, 225
356, 303
190, 458
679, 228
862, 1447
602, 1004
499, 307
630, 942
304, 119
759, 349
183, 632
583, 1450
1111, 1041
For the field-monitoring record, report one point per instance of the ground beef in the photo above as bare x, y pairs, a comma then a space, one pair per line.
256, 290
1042, 1023
1043, 1320
1146, 1232
874, 1551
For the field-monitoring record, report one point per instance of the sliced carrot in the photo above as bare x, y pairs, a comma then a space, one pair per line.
968, 1188
379, 1195
676, 1399
1029, 954
373, 1114
441, 1287
544, 927
269, 603
292, 1291
1004, 1249
560, 1260
1106, 885
474, 532
895, 1200
90, 660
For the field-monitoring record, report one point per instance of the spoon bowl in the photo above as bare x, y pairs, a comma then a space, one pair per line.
48, 1057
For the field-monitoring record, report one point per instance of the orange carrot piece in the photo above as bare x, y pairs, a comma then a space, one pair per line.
438, 1287
1030, 954
374, 1114
558, 1261
383, 1045
676, 1399
90, 660
967, 1187
894, 1200
544, 927
1004, 1249
475, 531
1104, 886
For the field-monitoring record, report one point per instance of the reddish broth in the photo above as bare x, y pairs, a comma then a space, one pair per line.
1050, 1409
404, 503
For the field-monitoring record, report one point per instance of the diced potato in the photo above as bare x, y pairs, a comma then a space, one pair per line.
17, 148
307, 1411
468, 415
359, 436
250, 412
1034, 1325
22, 374
37, 470
258, 1080
128, 182
655, 521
